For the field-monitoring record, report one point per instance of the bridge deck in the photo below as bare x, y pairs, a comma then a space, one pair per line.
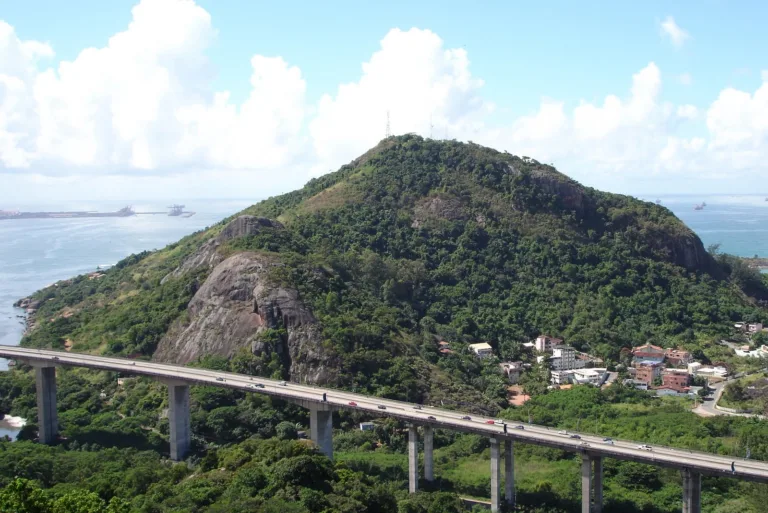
705, 463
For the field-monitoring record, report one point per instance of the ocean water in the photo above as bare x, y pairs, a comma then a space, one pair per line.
37, 252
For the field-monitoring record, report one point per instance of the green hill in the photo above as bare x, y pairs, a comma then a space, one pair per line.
353, 279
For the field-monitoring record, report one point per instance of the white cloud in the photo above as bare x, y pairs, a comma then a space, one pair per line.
414, 78
685, 79
671, 29
144, 102
143, 105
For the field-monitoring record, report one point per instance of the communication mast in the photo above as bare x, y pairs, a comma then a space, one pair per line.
389, 132
431, 127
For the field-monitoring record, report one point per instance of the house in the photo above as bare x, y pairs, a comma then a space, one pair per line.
678, 357
594, 377
512, 370
669, 390
710, 371
443, 344
481, 350
693, 367
675, 378
545, 343
637, 385
367, 426
647, 372
648, 353
754, 327
529, 346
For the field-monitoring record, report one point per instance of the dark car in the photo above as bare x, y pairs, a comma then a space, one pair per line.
431, 418
577, 437
466, 417
382, 407
519, 426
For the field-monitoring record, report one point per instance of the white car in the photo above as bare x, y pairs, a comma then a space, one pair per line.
645, 447
500, 422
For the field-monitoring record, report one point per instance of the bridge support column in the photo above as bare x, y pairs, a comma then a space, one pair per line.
413, 459
321, 428
47, 416
597, 507
429, 437
691, 492
586, 483
178, 417
509, 473
495, 475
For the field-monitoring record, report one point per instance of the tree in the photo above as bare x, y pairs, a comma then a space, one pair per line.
286, 431
23, 496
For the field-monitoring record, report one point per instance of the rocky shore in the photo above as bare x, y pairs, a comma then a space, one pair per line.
30, 307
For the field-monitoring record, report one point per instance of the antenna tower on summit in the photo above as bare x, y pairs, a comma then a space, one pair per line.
431, 127
389, 132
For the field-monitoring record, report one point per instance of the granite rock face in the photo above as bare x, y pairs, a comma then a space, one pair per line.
231, 310
208, 254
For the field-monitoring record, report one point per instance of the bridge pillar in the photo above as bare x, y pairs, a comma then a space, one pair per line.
691, 492
413, 459
509, 473
47, 416
495, 475
178, 417
429, 437
597, 507
586, 483
321, 428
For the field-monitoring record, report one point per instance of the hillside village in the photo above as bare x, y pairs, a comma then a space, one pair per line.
658, 370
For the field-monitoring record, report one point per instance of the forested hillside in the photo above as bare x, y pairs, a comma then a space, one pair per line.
351, 281
414, 241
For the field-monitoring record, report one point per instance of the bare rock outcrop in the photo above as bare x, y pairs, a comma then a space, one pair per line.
233, 308
438, 207
208, 255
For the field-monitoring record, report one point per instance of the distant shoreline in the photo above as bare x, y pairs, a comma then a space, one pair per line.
756, 263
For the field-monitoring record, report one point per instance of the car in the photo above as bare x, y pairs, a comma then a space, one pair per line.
607, 439
563, 432
352, 403
584, 444
220, 379
259, 385
381, 407
417, 407
55, 357
519, 426
466, 417
282, 383
251, 386
577, 437
133, 363
489, 422
645, 447
431, 418
499, 422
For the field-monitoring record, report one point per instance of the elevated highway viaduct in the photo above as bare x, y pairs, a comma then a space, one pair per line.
322, 402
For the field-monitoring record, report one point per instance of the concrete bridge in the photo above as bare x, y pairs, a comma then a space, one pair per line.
321, 403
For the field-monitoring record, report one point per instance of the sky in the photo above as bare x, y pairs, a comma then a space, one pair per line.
164, 99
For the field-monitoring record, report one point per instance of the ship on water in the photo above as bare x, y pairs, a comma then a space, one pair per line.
15, 214
700, 206
175, 210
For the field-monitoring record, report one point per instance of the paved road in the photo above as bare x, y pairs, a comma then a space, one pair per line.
707, 408
423, 415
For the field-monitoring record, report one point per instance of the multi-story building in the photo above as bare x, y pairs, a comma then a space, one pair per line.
648, 353
678, 357
545, 343
563, 358
647, 372
675, 378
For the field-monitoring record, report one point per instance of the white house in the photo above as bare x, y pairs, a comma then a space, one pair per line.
545, 343
481, 350
367, 426
589, 376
